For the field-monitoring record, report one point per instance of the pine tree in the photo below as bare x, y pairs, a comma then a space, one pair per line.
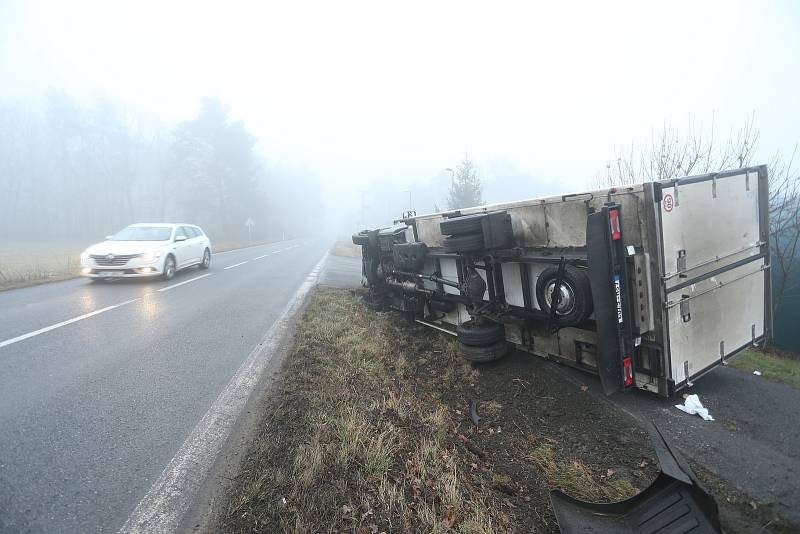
465, 187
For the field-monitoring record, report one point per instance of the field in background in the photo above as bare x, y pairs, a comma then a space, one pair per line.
27, 263
24, 263
346, 249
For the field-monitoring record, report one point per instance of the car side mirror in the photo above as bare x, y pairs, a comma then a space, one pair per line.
179, 238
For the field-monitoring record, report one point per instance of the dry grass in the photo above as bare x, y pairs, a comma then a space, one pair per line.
364, 453
575, 478
363, 433
36, 262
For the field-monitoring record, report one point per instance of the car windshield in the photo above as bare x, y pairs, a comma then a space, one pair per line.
143, 233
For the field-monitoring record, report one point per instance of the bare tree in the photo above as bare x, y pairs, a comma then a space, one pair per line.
674, 153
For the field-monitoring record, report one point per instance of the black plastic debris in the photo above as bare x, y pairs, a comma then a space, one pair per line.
674, 503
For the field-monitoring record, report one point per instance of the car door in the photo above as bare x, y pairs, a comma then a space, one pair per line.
197, 245
182, 248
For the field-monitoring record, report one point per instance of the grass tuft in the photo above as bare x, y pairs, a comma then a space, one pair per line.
772, 367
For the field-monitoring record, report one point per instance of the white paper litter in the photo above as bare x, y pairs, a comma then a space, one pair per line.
692, 405
757, 373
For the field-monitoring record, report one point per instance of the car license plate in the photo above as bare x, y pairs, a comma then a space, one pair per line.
109, 273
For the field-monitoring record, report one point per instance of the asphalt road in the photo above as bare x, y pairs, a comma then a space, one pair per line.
93, 406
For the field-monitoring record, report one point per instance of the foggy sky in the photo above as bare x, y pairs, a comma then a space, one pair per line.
379, 92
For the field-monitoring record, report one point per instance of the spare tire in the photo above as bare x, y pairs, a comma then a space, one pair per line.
463, 243
466, 224
576, 294
485, 354
480, 335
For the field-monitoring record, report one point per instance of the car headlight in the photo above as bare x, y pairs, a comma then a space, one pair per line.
84, 255
150, 256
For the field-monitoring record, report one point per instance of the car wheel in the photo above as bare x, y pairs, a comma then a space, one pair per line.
206, 263
480, 335
484, 354
466, 224
463, 243
169, 267
575, 304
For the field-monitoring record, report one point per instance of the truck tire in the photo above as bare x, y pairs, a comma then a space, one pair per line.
361, 238
480, 335
576, 294
463, 243
467, 224
485, 354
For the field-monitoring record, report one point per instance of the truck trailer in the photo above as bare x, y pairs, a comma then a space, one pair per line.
650, 286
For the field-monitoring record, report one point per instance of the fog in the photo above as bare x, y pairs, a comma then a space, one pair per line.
312, 117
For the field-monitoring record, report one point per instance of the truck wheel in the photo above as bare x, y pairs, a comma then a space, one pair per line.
488, 353
575, 305
361, 238
463, 243
480, 335
468, 224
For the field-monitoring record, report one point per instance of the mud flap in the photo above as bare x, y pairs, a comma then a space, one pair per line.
609, 362
674, 503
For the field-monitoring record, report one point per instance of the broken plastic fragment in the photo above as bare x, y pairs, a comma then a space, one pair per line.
692, 406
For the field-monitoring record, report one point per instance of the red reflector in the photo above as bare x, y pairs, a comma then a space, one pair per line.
626, 364
613, 216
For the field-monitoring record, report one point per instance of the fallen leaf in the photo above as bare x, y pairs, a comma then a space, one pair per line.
473, 466
584, 388
610, 473
458, 412
449, 519
373, 528
346, 509
643, 464
462, 438
505, 519
367, 513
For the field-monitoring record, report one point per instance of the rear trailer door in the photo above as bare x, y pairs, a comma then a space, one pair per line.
715, 260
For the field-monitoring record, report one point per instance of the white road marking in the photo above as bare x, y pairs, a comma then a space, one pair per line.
259, 257
185, 282
165, 504
245, 248
63, 323
235, 265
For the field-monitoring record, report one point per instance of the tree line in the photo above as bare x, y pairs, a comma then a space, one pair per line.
72, 170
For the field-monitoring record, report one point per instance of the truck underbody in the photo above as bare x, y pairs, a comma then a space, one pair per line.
648, 286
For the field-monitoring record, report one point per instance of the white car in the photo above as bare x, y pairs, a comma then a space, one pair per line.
141, 250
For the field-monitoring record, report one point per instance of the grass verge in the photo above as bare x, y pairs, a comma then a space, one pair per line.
346, 249
772, 367
368, 430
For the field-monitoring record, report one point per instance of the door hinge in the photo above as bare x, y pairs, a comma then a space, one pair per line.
685, 313
681, 263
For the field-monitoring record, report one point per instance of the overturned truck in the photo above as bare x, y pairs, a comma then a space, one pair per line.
650, 286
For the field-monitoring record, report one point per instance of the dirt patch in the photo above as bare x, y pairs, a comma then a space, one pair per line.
369, 430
